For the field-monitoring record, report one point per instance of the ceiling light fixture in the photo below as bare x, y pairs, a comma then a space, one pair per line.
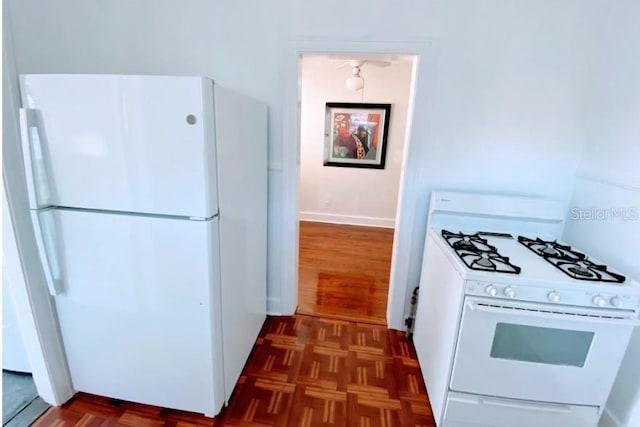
356, 81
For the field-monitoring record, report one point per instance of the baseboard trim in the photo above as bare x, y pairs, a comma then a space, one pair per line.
347, 219
609, 420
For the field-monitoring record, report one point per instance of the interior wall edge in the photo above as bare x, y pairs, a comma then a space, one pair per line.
274, 307
609, 419
591, 177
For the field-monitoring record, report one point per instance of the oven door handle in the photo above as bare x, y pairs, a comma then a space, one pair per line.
553, 312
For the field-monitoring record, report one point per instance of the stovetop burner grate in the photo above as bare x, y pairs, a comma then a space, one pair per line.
478, 254
571, 262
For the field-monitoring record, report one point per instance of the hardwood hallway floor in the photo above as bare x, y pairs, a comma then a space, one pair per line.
344, 271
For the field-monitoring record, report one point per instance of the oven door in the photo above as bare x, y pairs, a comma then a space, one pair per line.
538, 352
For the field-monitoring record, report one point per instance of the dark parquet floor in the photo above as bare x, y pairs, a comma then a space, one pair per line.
336, 364
303, 371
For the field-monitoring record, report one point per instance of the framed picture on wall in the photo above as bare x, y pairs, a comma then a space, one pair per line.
356, 134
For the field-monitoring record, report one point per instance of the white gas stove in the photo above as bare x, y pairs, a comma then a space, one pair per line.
514, 327
537, 270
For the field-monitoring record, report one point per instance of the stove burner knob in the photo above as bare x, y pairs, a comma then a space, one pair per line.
616, 302
491, 290
509, 292
599, 301
553, 296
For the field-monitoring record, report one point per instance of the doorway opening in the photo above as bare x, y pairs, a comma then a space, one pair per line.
347, 209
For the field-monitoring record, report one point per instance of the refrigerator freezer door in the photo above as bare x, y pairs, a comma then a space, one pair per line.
139, 308
121, 143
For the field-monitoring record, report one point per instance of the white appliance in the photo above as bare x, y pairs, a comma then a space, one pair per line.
513, 327
148, 197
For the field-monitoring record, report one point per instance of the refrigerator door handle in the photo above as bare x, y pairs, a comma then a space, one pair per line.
43, 229
33, 155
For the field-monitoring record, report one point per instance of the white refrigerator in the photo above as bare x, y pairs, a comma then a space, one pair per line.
149, 206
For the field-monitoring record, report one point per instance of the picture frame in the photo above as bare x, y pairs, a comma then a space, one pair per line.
356, 134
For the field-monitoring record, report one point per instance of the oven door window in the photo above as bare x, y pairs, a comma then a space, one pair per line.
535, 344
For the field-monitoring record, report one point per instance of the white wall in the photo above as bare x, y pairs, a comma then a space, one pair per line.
14, 354
350, 195
609, 183
498, 109
497, 89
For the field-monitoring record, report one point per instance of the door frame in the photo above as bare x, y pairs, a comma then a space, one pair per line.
398, 280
